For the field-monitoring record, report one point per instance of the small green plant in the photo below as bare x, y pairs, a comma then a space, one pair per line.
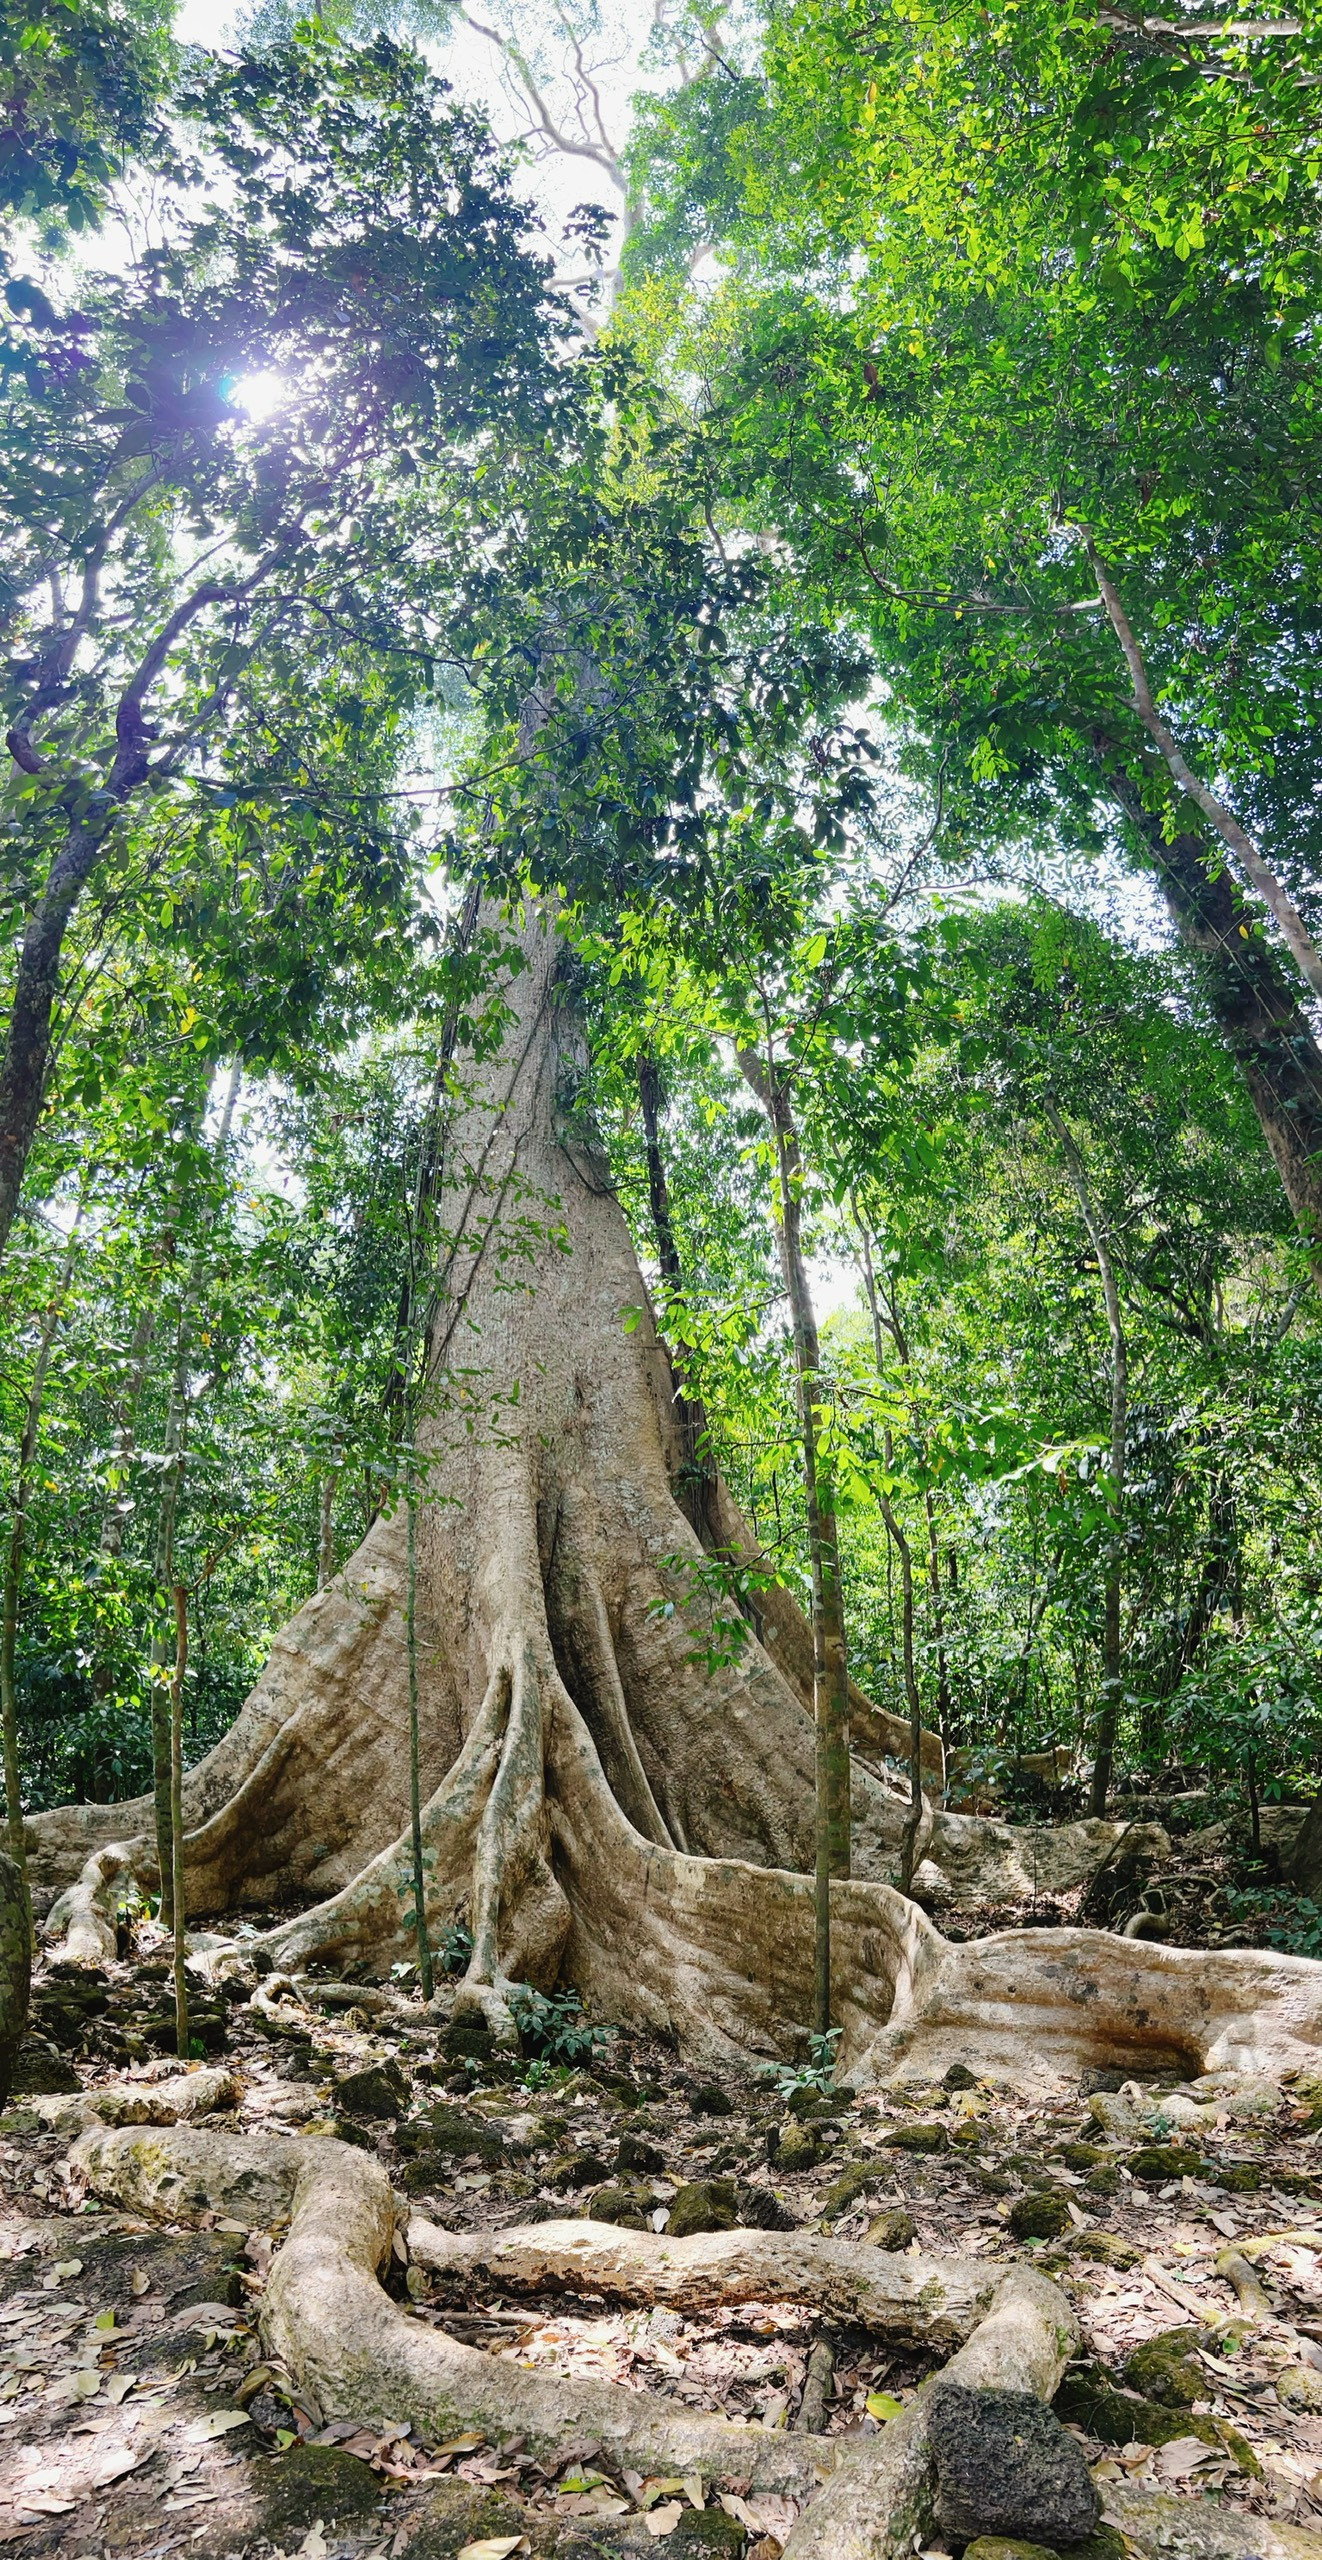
818, 2072
555, 2029
539, 2074
455, 1948
1294, 1924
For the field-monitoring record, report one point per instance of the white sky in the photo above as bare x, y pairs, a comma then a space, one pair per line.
554, 181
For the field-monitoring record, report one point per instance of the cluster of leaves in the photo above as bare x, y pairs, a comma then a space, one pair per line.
554, 2029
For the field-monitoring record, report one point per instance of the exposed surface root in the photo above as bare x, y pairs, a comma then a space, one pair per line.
327, 2318
878, 2504
82, 1921
934, 2299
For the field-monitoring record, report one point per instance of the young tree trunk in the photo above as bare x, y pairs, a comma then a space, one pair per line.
944, 1701
1108, 1719
26, 1056
125, 1441
698, 1484
16, 1551
181, 2028
415, 1744
174, 1460
326, 1527
896, 1535
830, 1652
1255, 1006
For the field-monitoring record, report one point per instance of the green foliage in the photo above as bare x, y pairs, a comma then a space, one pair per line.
764, 633
80, 84
817, 2073
554, 2029
1294, 1924
455, 1947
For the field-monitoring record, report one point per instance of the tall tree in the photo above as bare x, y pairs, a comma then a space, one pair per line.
271, 541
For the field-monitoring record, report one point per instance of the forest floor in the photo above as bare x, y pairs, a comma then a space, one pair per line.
138, 2416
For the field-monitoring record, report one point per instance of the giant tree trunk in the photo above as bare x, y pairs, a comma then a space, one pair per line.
595, 1799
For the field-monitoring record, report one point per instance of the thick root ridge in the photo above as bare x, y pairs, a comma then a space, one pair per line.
720, 1953
879, 2504
932, 2300
360, 2357
326, 2317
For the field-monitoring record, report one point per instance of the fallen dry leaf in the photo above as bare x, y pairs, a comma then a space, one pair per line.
658, 2520
219, 2423
1181, 2456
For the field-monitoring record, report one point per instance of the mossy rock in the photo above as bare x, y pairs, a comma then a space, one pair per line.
1043, 2215
1158, 2162
468, 2040
637, 2153
1107, 2249
462, 2134
1163, 2369
918, 2137
423, 2175
892, 2230
809, 2103
1081, 2155
1002, 2546
793, 2146
994, 2182
381, 2092
706, 2534
38, 2071
1103, 2543
760, 2210
707, 2098
959, 2076
1293, 2182
629, 2207
705, 2204
315, 2480
1091, 2398
1238, 2177
1103, 2182
459, 2511
345, 2130
575, 2169
853, 2181
1299, 2386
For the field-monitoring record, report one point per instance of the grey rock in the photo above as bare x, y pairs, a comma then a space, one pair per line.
1005, 2465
